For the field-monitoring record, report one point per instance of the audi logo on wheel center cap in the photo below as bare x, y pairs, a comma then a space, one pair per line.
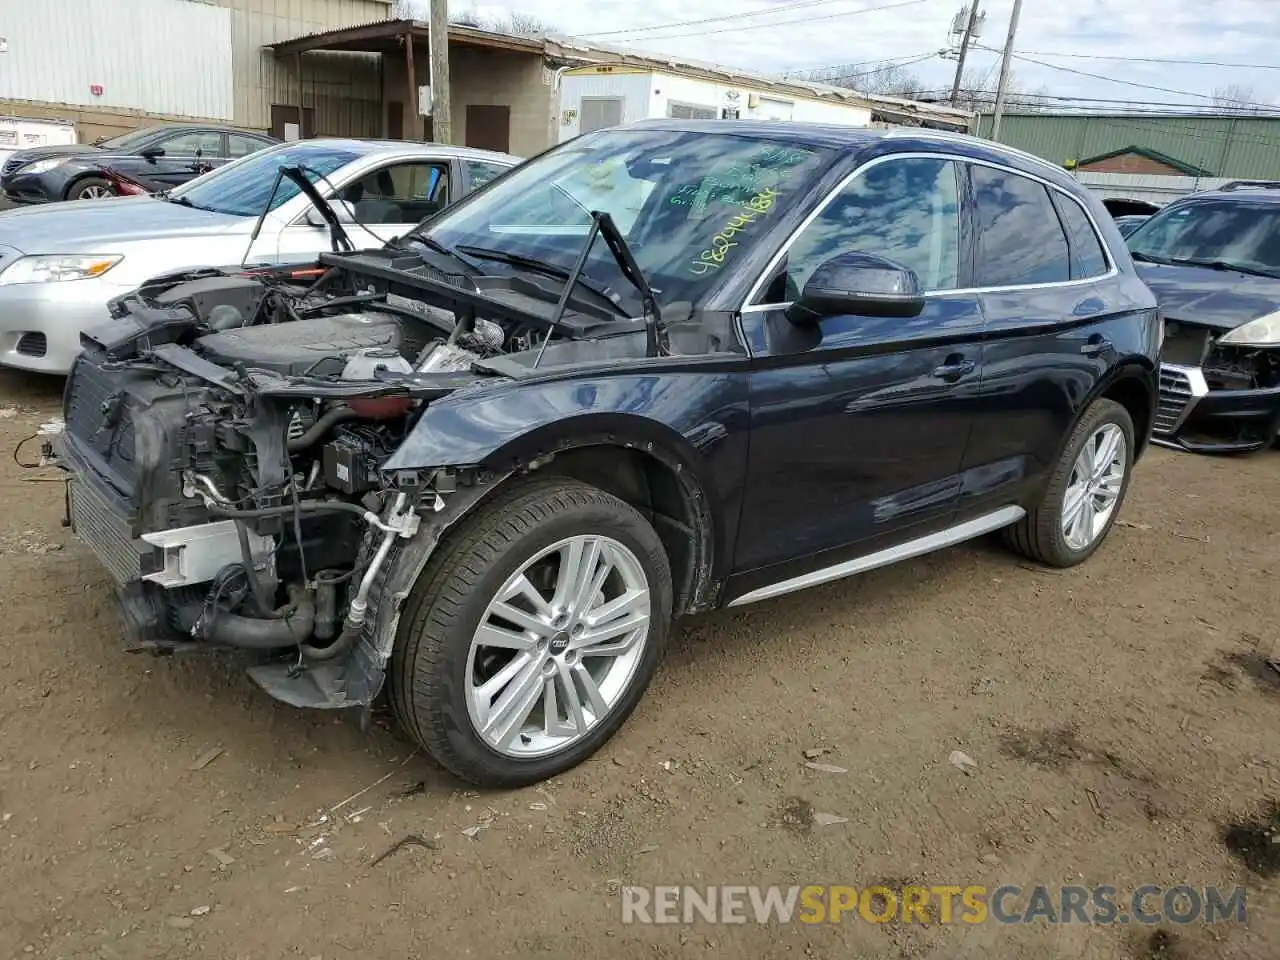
560, 641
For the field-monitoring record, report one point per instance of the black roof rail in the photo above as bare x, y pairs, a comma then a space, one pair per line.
1251, 185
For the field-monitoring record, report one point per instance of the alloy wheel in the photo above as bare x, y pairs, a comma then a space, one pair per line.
94, 193
1093, 491
558, 646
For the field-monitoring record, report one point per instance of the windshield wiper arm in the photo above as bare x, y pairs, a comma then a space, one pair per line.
431, 243
539, 266
1213, 264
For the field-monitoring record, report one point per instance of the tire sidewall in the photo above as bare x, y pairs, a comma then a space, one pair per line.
78, 188
626, 526
1102, 413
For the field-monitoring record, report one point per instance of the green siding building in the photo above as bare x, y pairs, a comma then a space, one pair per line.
1247, 147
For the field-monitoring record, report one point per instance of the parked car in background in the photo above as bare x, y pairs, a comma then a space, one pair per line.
661, 369
1131, 222
1213, 260
60, 264
158, 157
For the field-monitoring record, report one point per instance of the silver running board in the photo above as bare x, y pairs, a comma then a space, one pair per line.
883, 558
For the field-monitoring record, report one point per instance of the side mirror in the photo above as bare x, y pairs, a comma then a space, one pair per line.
858, 283
151, 153
345, 212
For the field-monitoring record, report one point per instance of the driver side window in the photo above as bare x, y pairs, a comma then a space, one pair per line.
905, 210
400, 193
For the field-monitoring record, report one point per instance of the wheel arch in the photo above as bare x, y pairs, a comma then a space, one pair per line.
79, 178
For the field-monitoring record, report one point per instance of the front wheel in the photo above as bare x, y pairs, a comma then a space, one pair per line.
1085, 490
90, 188
532, 633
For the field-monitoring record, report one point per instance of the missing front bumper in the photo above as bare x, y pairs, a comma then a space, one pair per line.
1192, 416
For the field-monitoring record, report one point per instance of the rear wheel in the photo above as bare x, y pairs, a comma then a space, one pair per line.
532, 633
1085, 490
90, 188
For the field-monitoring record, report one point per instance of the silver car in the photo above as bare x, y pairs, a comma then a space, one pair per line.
61, 263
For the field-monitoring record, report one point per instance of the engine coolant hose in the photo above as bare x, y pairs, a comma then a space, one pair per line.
287, 627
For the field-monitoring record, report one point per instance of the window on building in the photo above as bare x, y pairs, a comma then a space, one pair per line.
1020, 239
690, 111
905, 210
1087, 257
596, 113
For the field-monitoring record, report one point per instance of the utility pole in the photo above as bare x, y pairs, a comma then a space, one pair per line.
441, 116
965, 37
1004, 70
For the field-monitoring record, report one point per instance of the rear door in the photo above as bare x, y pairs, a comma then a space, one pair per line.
1048, 299
859, 425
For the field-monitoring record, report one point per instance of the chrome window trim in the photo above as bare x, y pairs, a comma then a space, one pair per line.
1112, 271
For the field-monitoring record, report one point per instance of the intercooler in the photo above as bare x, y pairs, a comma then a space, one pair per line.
106, 532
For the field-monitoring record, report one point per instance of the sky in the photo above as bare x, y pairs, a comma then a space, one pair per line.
800, 34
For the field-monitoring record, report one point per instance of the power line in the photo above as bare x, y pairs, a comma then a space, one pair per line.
1127, 83
1128, 59
777, 23
781, 8
833, 69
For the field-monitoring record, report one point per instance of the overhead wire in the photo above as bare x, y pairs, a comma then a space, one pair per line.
771, 23
780, 8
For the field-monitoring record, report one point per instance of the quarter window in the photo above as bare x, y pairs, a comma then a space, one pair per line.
1020, 239
481, 172
1087, 258
241, 146
903, 210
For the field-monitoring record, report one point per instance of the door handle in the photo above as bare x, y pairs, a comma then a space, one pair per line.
1096, 346
955, 368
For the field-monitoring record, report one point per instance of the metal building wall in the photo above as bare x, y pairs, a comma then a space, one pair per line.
343, 89
1244, 147
158, 56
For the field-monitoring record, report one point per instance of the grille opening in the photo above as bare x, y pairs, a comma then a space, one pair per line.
33, 345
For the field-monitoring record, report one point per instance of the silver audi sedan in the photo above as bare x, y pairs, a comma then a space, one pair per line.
61, 263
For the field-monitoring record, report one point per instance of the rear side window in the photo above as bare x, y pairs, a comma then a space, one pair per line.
1020, 239
1087, 258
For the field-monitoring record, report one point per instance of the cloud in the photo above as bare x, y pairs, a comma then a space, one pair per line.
829, 32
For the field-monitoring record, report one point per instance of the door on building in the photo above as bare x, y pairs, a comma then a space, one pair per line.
489, 127
596, 113
292, 120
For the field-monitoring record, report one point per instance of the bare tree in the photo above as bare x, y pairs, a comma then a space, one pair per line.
1238, 98
410, 10
890, 81
516, 24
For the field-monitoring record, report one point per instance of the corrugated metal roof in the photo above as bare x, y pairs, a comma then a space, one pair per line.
1226, 146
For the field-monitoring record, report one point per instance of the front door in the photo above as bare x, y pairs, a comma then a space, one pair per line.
388, 202
859, 424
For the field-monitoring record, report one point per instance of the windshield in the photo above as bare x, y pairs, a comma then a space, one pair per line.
1225, 232
241, 189
689, 204
128, 141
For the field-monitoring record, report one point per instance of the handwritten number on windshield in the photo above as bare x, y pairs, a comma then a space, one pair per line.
712, 258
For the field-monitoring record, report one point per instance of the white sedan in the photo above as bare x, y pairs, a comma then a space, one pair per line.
61, 263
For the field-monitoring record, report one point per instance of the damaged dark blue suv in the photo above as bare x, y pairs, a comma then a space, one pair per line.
661, 369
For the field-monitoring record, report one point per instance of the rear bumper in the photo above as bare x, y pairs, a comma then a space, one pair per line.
1191, 416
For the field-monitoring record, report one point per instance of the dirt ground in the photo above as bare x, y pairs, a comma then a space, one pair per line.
1120, 715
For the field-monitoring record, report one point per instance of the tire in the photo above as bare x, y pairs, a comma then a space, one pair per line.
435, 666
87, 185
1040, 535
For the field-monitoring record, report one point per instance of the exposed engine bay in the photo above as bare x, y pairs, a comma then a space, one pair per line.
232, 439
